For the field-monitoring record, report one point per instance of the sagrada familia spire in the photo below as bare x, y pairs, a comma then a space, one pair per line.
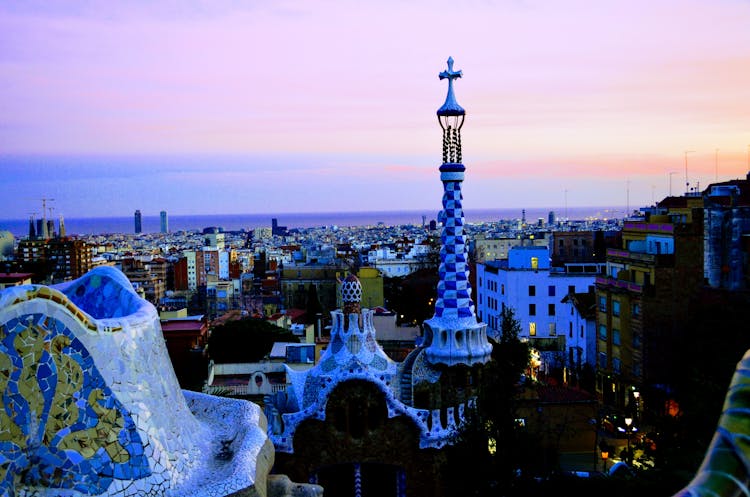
453, 335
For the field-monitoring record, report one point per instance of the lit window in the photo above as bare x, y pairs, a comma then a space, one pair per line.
532, 329
602, 332
534, 263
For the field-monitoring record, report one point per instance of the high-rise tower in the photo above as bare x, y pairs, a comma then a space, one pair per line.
453, 335
164, 223
138, 222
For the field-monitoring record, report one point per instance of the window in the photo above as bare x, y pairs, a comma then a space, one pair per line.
581, 331
534, 263
615, 336
571, 289
532, 329
570, 330
616, 364
551, 291
616, 308
502, 289
532, 309
552, 329
551, 309
636, 310
602, 360
602, 332
636, 341
603, 303
532, 290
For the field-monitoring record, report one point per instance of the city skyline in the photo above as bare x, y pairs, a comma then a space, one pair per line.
233, 107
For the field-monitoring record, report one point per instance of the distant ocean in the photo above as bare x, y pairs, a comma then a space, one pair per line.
236, 222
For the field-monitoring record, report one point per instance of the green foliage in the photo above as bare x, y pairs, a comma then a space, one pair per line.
494, 423
413, 296
312, 305
246, 340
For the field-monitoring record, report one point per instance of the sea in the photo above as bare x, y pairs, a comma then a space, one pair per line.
237, 222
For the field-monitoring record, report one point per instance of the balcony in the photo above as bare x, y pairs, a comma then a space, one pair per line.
648, 227
607, 281
627, 255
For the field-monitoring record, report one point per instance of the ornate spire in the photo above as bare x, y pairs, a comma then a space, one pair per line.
453, 335
451, 118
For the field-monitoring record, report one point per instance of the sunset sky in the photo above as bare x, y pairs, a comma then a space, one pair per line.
228, 106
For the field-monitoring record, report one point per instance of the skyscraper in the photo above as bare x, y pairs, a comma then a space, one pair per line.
164, 224
138, 223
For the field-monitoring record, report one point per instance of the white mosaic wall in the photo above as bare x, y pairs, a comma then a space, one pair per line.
91, 404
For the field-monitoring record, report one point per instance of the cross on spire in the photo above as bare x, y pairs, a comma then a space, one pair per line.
450, 107
450, 73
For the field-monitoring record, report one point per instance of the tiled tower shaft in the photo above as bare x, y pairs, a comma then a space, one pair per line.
454, 290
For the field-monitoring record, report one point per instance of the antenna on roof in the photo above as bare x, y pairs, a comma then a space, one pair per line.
687, 182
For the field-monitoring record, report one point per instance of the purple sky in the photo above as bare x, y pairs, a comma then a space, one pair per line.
288, 106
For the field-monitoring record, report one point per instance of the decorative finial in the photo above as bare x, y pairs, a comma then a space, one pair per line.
451, 118
351, 297
450, 107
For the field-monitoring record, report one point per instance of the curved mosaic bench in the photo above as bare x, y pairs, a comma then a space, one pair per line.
725, 470
91, 405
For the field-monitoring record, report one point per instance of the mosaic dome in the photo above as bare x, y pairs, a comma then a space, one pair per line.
351, 289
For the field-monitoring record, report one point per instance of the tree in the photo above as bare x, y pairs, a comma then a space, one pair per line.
312, 305
413, 296
493, 447
246, 340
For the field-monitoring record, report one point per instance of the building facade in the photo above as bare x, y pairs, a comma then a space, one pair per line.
643, 299
535, 291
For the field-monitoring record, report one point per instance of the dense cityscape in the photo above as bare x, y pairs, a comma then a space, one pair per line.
613, 311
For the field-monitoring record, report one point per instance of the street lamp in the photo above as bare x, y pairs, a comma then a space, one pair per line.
628, 422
